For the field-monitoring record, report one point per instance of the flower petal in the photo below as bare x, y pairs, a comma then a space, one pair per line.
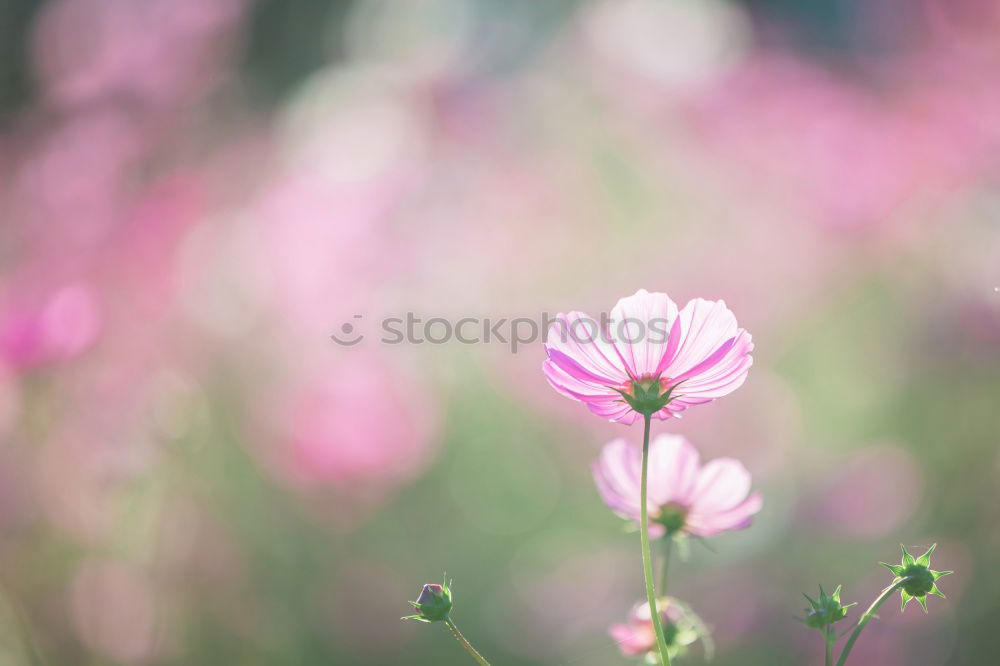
573, 386
722, 484
613, 408
633, 640
577, 343
673, 469
707, 352
639, 328
616, 474
736, 518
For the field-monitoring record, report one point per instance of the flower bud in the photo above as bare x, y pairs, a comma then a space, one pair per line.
433, 605
681, 628
826, 610
920, 579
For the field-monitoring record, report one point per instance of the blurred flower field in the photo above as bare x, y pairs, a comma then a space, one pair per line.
198, 199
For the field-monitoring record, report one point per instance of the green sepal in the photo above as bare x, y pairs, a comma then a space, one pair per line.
925, 559
645, 397
896, 569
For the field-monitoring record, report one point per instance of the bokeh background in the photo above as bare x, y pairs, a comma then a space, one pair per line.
194, 195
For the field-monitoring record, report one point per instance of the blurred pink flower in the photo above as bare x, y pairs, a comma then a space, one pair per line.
73, 182
321, 241
59, 326
157, 52
684, 496
358, 424
798, 125
645, 345
636, 637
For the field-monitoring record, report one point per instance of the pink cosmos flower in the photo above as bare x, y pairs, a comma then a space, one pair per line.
636, 636
647, 357
684, 496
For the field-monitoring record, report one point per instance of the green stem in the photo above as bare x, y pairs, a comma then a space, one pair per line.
830, 638
466, 644
886, 593
668, 543
647, 564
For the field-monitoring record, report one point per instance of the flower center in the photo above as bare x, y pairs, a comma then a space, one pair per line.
647, 394
672, 516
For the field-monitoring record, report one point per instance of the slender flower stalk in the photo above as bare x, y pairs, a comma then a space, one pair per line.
668, 547
647, 565
822, 614
869, 614
466, 644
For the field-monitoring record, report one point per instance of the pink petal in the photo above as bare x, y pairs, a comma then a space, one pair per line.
736, 518
573, 386
727, 374
576, 343
616, 474
613, 409
673, 469
633, 640
707, 351
639, 327
722, 484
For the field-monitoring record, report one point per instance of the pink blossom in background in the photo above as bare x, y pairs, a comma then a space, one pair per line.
320, 242
64, 324
815, 122
142, 261
156, 52
698, 351
73, 181
359, 422
636, 637
684, 496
